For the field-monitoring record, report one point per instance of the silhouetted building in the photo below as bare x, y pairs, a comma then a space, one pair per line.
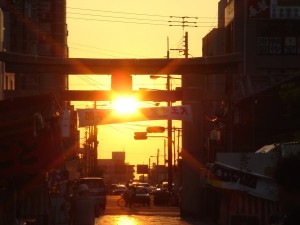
35, 28
115, 170
266, 34
249, 104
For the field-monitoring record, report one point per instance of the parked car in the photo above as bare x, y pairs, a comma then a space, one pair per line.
97, 189
119, 189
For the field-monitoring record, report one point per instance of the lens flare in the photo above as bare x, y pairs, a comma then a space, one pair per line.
125, 105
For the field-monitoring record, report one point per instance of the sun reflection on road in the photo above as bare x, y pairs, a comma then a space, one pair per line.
126, 220
120, 220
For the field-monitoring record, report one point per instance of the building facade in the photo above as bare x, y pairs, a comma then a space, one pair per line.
266, 34
116, 170
38, 28
242, 108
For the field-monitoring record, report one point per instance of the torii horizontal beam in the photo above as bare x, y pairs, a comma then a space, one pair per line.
148, 95
20, 63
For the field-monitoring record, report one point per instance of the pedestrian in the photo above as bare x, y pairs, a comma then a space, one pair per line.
287, 177
83, 208
131, 194
126, 195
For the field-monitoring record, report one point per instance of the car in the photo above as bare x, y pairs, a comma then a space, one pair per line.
142, 196
164, 187
97, 189
145, 185
119, 189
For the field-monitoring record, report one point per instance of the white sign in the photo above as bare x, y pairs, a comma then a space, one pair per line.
92, 117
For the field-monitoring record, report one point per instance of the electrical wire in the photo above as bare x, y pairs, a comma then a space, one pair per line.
183, 23
117, 12
103, 49
117, 17
117, 21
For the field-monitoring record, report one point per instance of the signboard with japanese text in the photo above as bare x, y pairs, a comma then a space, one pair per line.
92, 117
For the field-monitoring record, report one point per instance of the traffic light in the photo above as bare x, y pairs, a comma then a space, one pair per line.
155, 129
140, 135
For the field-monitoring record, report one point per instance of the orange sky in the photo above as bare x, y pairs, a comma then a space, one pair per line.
133, 29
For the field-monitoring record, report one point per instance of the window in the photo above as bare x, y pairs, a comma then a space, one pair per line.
296, 12
298, 47
281, 13
288, 12
290, 45
275, 45
262, 45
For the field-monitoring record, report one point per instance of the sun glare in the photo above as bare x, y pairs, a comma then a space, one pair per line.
125, 105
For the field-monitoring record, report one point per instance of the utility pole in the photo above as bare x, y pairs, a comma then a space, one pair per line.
170, 158
186, 45
185, 50
170, 164
95, 140
184, 23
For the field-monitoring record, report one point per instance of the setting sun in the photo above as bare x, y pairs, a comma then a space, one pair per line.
125, 104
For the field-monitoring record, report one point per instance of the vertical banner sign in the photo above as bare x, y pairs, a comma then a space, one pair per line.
92, 117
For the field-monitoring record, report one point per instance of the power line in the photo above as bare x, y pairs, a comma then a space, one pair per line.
103, 49
128, 13
130, 22
117, 21
118, 17
140, 14
183, 23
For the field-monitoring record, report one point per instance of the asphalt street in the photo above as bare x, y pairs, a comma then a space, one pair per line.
143, 215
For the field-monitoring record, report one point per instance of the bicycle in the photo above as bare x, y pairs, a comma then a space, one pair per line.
121, 201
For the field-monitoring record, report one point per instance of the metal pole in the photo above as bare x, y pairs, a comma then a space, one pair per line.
170, 164
149, 172
95, 135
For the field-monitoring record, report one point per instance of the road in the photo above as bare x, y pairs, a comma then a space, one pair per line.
153, 215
